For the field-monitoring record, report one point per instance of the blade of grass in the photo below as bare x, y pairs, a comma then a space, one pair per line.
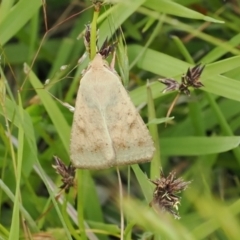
117, 15
161, 225
214, 212
19, 15
80, 204
219, 51
171, 7
194, 146
187, 28
183, 49
24, 212
226, 129
15, 224
93, 35
153, 129
5, 8
172, 67
51, 107
146, 186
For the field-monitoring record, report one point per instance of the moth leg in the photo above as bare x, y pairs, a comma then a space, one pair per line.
112, 64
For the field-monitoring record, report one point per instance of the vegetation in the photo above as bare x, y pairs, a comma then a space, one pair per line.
43, 41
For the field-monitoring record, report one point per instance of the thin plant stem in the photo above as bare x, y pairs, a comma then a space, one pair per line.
80, 205
93, 34
171, 106
121, 203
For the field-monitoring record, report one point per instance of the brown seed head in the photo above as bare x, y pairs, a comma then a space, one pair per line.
66, 172
164, 195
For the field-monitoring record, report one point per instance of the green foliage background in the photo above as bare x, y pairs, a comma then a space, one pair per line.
163, 38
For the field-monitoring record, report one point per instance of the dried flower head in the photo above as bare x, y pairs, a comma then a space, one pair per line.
97, 4
164, 195
190, 79
171, 84
107, 48
193, 75
87, 37
67, 173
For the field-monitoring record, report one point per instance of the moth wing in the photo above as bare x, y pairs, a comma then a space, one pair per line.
91, 146
131, 139
107, 130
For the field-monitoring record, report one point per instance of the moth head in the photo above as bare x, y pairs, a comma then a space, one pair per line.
97, 62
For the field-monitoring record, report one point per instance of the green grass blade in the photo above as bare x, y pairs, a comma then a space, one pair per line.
19, 15
15, 225
23, 211
117, 15
153, 129
167, 66
194, 146
5, 8
171, 7
53, 110
145, 184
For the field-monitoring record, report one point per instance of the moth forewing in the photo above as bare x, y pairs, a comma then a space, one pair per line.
107, 130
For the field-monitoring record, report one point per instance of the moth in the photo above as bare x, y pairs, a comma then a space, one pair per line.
107, 129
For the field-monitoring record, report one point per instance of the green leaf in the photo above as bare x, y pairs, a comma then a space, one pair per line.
145, 184
167, 66
53, 110
170, 7
19, 15
118, 14
160, 120
194, 146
